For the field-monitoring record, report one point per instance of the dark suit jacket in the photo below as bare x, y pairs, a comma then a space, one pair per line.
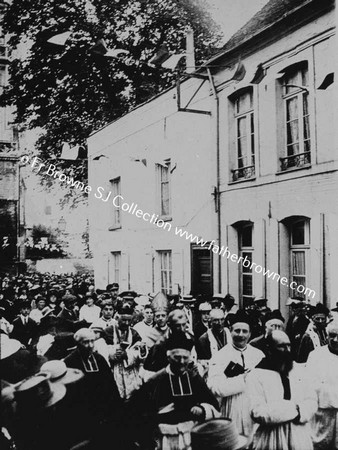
24, 333
203, 349
260, 343
199, 329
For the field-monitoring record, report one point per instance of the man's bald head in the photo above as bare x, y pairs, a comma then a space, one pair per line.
216, 320
216, 314
280, 351
85, 339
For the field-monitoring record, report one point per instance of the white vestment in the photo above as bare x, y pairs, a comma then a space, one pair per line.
323, 367
231, 392
268, 405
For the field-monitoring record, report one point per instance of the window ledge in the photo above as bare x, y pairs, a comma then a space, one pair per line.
114, 227
294, 169
242, 180
165, 218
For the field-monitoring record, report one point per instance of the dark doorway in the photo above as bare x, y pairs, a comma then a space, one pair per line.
201, 271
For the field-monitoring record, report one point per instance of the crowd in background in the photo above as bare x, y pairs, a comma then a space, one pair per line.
87, 368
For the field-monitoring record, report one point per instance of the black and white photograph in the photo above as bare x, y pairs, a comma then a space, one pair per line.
168, 225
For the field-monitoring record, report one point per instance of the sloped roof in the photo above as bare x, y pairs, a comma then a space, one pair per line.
274, 11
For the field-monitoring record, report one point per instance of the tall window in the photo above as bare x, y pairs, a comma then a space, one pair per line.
297, 118
299, 248
166, 271
246, 252
164, 189
115, 267
116, 190
245, 135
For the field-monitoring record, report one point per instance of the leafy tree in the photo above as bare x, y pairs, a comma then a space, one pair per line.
69, 90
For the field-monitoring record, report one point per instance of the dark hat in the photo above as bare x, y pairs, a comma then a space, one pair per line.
240, 316
179, 340
126, 294
319, 309
68, 299
101, 291
217, 434
112, 287
275, 314
24, 304
229, 300
38, 392
125, 309
260, 301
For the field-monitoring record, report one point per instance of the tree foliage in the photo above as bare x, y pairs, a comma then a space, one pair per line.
69, 91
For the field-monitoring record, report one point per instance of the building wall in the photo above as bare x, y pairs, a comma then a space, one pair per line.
154, 131
272, 195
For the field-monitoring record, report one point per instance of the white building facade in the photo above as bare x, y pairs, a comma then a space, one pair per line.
157, 161
256, 179
278, 156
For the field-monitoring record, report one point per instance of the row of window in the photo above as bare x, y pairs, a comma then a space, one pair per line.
165, 269
294, 92
299, 245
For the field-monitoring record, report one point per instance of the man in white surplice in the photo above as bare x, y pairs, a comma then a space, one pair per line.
228, 370
323, 366
282, 399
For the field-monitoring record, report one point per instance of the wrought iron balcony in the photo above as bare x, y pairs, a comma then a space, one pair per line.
243, 173
297, 160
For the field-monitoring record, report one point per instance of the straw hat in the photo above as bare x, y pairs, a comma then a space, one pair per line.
59, 372
38, 392
217, 434
8, 346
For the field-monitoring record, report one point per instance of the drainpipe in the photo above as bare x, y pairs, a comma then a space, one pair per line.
218, 177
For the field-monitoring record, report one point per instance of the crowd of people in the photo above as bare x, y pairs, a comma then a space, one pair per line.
84, 368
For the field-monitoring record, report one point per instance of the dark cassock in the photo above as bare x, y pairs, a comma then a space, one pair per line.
97, 402
166, 407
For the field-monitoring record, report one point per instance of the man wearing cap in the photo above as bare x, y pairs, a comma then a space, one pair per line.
215, 338
69, 313
228, 370
273, 321
315, 335
188, 304
168, 405
217, 301
323, 366
282, 399
24, 328
113, 290
202, 325
297, 323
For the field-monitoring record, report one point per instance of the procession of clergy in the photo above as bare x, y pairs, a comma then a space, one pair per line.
86, 369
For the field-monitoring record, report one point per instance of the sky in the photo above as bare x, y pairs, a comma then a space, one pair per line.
233, 14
